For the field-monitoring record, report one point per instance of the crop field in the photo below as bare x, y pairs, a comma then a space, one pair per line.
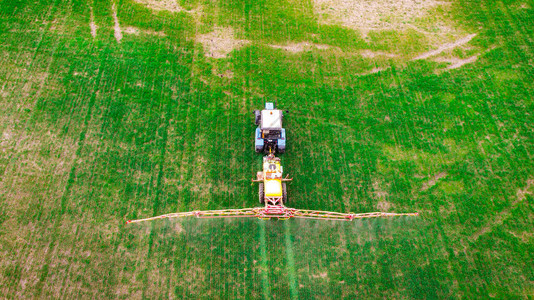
112, 110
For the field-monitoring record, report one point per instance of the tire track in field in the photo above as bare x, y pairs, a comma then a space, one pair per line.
294, 293
161, 166
452, 264
68, 187
264, 263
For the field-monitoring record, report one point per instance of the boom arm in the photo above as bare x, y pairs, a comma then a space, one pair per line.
274, 212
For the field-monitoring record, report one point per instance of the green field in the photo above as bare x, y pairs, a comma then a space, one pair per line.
119, 110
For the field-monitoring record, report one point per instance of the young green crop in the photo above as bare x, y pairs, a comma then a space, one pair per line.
95, 132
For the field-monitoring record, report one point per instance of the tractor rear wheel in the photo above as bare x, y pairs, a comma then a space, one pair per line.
257, 117
284, 193
261, 193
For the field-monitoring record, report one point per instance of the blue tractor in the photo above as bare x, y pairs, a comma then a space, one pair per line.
270, 136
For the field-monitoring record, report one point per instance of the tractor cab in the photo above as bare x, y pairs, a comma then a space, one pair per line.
270, 136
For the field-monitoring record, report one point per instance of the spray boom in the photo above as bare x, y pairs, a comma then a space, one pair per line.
274, 212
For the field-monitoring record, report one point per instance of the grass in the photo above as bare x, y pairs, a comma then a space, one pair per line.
95, 132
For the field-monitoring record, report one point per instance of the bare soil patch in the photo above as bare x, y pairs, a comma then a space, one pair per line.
383, 206
379, 191
169, 5
132, 30
522, 192
366, 15
117, 28
432, 182
137, 31
459, 63
456, 63
445, 47
223, 74
178, 228
320, 275
372, 71
92, 24
220, 42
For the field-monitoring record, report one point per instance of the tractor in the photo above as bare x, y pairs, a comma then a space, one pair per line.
270, 137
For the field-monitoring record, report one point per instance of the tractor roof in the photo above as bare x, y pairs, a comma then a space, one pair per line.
271, 119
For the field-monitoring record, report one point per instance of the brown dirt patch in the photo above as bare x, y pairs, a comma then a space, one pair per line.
178, 228
137, 31
383, 206
456, 63
366, 15
445, 47
169, 5
92, 23
117, 28
378, 190
220, 42
522, 192
320, 275
226, 74
432, 182
372, 71
132, 30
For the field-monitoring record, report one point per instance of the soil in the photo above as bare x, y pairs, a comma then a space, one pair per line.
461, 62
446, 47
366, 15
372, 71
220, 42
132, 30
456, 63
383, 206
378, 191
137, 31
432, 182
169, 5
93, 26
118, 33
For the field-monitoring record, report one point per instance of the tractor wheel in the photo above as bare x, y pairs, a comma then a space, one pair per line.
284, 193
257, 117
261, 193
